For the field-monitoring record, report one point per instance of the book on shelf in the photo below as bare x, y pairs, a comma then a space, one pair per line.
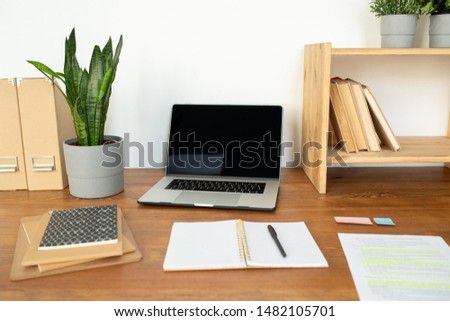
362, 108
237, 244
380, 122
339, 121
114, 242
348, 101
355, 116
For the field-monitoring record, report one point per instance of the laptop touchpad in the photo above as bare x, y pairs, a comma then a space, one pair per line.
207, 198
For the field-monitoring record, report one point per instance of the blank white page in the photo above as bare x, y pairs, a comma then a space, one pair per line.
203, 246
300, 247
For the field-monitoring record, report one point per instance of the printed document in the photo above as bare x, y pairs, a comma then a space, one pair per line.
398, 267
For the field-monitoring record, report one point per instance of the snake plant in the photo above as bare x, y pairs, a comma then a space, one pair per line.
87, 91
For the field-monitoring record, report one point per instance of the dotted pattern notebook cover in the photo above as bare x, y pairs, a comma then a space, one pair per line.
81, 227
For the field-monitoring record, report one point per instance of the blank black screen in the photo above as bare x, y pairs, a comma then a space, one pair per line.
225, 140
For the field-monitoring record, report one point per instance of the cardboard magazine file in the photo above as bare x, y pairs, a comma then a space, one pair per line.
46, 122
12, 163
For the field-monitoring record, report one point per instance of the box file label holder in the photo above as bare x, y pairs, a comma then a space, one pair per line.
38, 163
11, 167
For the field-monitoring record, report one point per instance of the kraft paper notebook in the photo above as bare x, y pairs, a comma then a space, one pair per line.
31, 223
77, 234
236, 244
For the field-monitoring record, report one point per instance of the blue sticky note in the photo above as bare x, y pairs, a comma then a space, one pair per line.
383, 221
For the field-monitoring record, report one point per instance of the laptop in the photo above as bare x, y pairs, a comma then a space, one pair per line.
224, 156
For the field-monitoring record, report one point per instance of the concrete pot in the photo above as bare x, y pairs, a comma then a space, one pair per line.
440, 30
94, 171
398, 31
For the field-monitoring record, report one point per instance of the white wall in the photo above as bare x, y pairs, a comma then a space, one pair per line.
209, 51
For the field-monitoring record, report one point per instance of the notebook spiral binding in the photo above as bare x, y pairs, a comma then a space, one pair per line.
242, 240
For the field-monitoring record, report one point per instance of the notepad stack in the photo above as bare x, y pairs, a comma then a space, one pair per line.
356, 118
73, 239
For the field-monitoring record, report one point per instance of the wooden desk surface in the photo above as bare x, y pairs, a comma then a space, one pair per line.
417, 199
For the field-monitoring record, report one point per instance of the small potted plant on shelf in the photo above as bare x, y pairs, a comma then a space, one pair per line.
398, 20
93, 160
439, 32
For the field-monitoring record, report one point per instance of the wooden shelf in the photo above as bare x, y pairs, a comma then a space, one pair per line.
390, 51
434, 149
316, 109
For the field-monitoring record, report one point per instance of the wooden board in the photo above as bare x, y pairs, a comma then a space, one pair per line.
316, 104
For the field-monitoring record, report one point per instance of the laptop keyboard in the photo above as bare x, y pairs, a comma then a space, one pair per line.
216, 186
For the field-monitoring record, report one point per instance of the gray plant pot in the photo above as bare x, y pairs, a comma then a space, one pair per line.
94, 171
398, 31
440, 30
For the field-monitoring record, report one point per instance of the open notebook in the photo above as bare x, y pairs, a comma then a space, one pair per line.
237, 244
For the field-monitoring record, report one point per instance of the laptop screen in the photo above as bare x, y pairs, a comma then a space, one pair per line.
225, 140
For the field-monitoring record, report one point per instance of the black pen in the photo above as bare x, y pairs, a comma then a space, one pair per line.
273, 233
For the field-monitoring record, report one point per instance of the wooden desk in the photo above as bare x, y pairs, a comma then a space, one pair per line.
417, 199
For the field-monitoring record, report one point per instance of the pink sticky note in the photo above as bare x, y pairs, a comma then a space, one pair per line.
353, 220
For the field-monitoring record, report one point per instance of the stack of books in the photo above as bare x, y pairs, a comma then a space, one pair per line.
71, 240
356, 118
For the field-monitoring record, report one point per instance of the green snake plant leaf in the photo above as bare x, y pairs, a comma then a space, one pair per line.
103, 98
93, 89
107, 54
80, 109
72, 69
47, 71
80, 128
117, 53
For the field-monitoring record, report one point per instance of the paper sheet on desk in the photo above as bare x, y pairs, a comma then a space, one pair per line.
398, 267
